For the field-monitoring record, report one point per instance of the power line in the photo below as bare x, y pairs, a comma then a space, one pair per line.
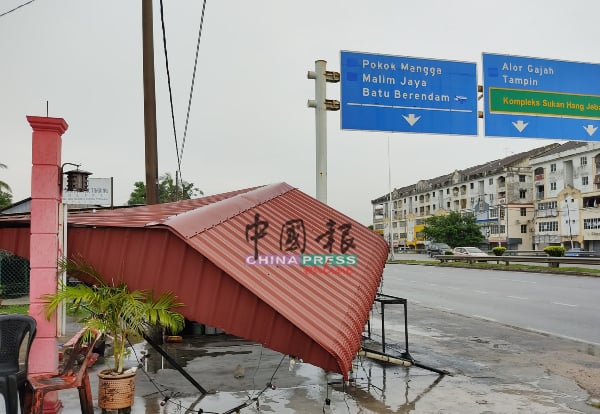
16, 8
179, 153
187, 117
164, 35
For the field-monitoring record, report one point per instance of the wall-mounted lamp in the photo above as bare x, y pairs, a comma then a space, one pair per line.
77, 180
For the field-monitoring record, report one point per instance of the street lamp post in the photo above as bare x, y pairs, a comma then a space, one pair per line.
77, 180
569, 219
391, 210
506, 221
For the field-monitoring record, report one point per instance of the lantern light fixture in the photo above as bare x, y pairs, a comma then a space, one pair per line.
77, 180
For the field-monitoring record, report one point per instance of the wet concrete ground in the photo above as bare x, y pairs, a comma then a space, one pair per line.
495, 369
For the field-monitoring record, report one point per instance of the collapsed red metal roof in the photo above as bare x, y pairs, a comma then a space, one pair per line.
236, 262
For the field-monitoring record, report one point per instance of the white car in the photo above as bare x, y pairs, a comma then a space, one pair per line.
469, 251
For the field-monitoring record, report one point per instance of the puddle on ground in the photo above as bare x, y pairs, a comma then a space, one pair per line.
238, 373
373, 388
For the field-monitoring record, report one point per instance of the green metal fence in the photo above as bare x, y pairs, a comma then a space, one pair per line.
14, 275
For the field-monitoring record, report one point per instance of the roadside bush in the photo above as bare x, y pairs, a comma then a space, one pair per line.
449, 252
555, 251
498, 250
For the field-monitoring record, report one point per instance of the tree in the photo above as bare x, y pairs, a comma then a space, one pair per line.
453, 229
5, 192
167, 191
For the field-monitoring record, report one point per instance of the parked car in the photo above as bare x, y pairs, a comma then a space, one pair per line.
438, 248
579, 252
469, 251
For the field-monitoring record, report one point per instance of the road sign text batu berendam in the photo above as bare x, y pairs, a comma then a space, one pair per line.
404, 94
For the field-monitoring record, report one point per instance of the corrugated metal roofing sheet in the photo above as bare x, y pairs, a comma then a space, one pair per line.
204, 251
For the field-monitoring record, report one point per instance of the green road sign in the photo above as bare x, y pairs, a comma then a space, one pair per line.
519, 101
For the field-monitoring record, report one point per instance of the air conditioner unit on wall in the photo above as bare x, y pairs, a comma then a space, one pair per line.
502, 200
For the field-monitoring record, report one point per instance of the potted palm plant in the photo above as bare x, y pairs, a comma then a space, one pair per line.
115, 311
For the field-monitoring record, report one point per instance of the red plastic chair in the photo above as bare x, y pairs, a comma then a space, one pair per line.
72, 374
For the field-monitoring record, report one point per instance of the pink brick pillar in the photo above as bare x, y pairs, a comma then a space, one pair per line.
46, 196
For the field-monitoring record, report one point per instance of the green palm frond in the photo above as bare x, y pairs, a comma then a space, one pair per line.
3, 185
113, 309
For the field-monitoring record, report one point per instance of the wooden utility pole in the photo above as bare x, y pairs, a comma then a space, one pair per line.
149, 104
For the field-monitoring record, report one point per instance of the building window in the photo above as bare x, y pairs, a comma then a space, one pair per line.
496, 229
447, 191
521, 178
548, 226
522, 194
552, 167
591, 223
491, 181
549, 205
583, 161
493, 213
584, 180
523, 228
553, 186
523, 211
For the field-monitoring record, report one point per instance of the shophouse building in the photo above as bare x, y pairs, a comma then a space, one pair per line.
500, 194
567, 196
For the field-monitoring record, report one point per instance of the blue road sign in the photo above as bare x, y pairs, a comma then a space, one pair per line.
540, 98
404, 94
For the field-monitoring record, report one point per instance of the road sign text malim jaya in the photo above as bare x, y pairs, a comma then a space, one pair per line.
403, 94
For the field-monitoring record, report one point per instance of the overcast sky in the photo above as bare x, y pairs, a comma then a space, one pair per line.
249, 123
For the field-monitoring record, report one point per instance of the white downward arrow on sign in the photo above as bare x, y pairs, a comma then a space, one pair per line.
520, 125
590, 129
411, 119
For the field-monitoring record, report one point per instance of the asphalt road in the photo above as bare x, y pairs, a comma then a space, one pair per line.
566, 306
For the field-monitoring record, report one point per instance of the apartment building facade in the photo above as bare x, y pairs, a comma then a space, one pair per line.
501, 194
567, 196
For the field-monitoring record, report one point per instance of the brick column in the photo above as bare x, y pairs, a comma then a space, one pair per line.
46, 197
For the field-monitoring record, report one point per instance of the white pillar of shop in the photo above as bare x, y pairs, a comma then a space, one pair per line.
322, 104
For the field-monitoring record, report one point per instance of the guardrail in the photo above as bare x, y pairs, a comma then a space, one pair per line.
524, 253
552, 261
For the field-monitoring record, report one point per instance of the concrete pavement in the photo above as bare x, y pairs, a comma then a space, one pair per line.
495, 369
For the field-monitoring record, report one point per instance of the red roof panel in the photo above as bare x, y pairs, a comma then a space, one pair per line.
203, 250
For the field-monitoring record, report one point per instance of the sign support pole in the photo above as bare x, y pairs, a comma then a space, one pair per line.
322, 104
321, 131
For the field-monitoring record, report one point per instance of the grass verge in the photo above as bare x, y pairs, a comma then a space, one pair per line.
514, 267
11, 309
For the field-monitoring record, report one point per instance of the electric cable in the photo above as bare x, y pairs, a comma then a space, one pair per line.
257, 368
164, 36
178, 151
16, 8
168, 399
187, 116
